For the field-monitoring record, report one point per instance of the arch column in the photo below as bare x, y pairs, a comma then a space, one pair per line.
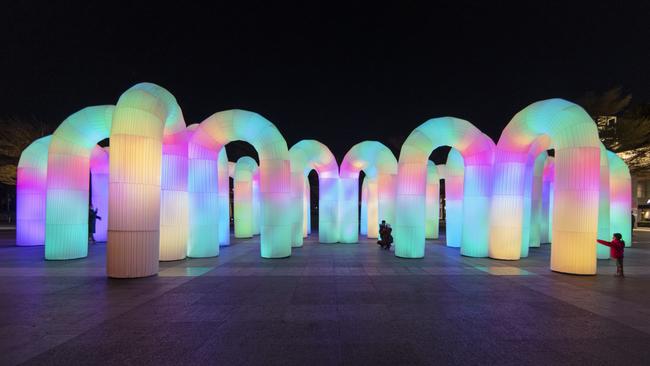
620, 196
602, 251
243, 197
66, 225
31, 193
432, 218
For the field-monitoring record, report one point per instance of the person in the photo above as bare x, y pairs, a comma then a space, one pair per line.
385, 237
617, 247
92, 218
633, 222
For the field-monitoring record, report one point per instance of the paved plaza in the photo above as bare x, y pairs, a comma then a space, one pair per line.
328, 304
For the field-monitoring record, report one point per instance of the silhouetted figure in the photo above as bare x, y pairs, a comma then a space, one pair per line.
385, 235
617, 247
92, 218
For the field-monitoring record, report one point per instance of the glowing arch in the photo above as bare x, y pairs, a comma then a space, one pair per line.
99, 190
275, 181
620, 198
478, 152
243, 197
307, 155
223, 190
144, 117
66, 224
31, 191
574, 137
432, 212
380, 166
453, 172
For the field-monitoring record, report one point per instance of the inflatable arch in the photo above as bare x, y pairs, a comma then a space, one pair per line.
243, 198
620, 193
574, 137
380, 166
478, 153
275, 181
307, 155
145, 116
453, 173
68, 172
432, 212
31, 190
99, 190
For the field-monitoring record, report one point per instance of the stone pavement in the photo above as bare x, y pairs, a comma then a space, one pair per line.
328, 304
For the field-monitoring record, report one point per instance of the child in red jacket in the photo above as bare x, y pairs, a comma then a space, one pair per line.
617, 246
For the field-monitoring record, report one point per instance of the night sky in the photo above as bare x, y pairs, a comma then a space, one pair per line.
336, 74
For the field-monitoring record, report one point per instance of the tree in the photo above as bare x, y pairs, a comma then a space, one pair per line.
15, 135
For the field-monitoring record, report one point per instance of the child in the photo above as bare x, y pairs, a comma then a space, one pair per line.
617, 246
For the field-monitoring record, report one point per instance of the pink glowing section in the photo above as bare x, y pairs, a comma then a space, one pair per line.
574, 137
620, 196
173, 197
99, 190
380, 166
67, 203
478, 153
307, 155
223, 190
31, 190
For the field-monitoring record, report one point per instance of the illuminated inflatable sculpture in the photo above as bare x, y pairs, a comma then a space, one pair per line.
31, 191
305, 156
162, 188
380, 166
68, 177
275, 181
145, 116
574, 137
478, 153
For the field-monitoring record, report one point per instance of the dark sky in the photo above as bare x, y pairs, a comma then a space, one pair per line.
337, 74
